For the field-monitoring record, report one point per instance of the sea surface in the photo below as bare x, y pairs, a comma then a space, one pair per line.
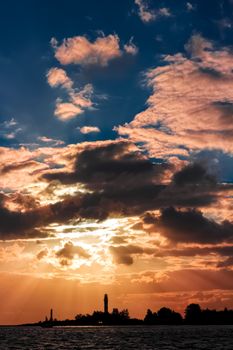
118, 337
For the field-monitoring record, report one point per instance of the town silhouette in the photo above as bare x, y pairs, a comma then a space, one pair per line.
193, 315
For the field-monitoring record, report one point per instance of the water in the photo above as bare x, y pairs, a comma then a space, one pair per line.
118, 338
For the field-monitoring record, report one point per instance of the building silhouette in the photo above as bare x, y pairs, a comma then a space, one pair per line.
106, 303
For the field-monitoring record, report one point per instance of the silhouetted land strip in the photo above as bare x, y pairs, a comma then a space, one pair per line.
194, 315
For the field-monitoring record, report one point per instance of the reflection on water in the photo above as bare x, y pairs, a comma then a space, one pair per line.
120, 338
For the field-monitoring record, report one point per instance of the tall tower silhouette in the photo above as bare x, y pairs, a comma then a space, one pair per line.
106, 303
51, 315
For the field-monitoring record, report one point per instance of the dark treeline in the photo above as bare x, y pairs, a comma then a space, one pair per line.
193, 315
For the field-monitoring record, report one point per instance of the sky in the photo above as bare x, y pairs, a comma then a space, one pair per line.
116, 156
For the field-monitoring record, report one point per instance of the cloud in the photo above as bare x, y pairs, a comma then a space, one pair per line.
187, 251
17, 166
193, 186
82, 98
51, 141
78, 100
130, 47
100, 164
32, 223
98, 180
190, 108
9, 123
191, 226
16, 224
70, 251
118, 240
125, 182
197, 46
194, 174
20, 201
89, 129
42, 253
66, 110
164, 12
190, 7
147, 15
198, 280
224, 24
79, 50
58, 77
9, 129
144, 13
123, 254
226, 263
122, 181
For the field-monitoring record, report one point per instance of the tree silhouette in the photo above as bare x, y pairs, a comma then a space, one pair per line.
168, 316
124, 314
150, 318
193, 314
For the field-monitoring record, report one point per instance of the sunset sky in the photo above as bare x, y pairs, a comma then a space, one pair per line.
116, 156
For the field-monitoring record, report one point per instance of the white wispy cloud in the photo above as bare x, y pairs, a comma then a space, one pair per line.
190, 6
58, 77
78, 100
9, 129
149, 15
89, 129
67, 110
81, 51
50, 141
191, 105
130, 47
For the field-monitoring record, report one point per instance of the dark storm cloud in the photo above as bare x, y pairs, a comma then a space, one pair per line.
121, 178
190, 226
122, 182
100, 165
193, 174
30, 224
123, 254
16, 224
124, 179
192, 186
